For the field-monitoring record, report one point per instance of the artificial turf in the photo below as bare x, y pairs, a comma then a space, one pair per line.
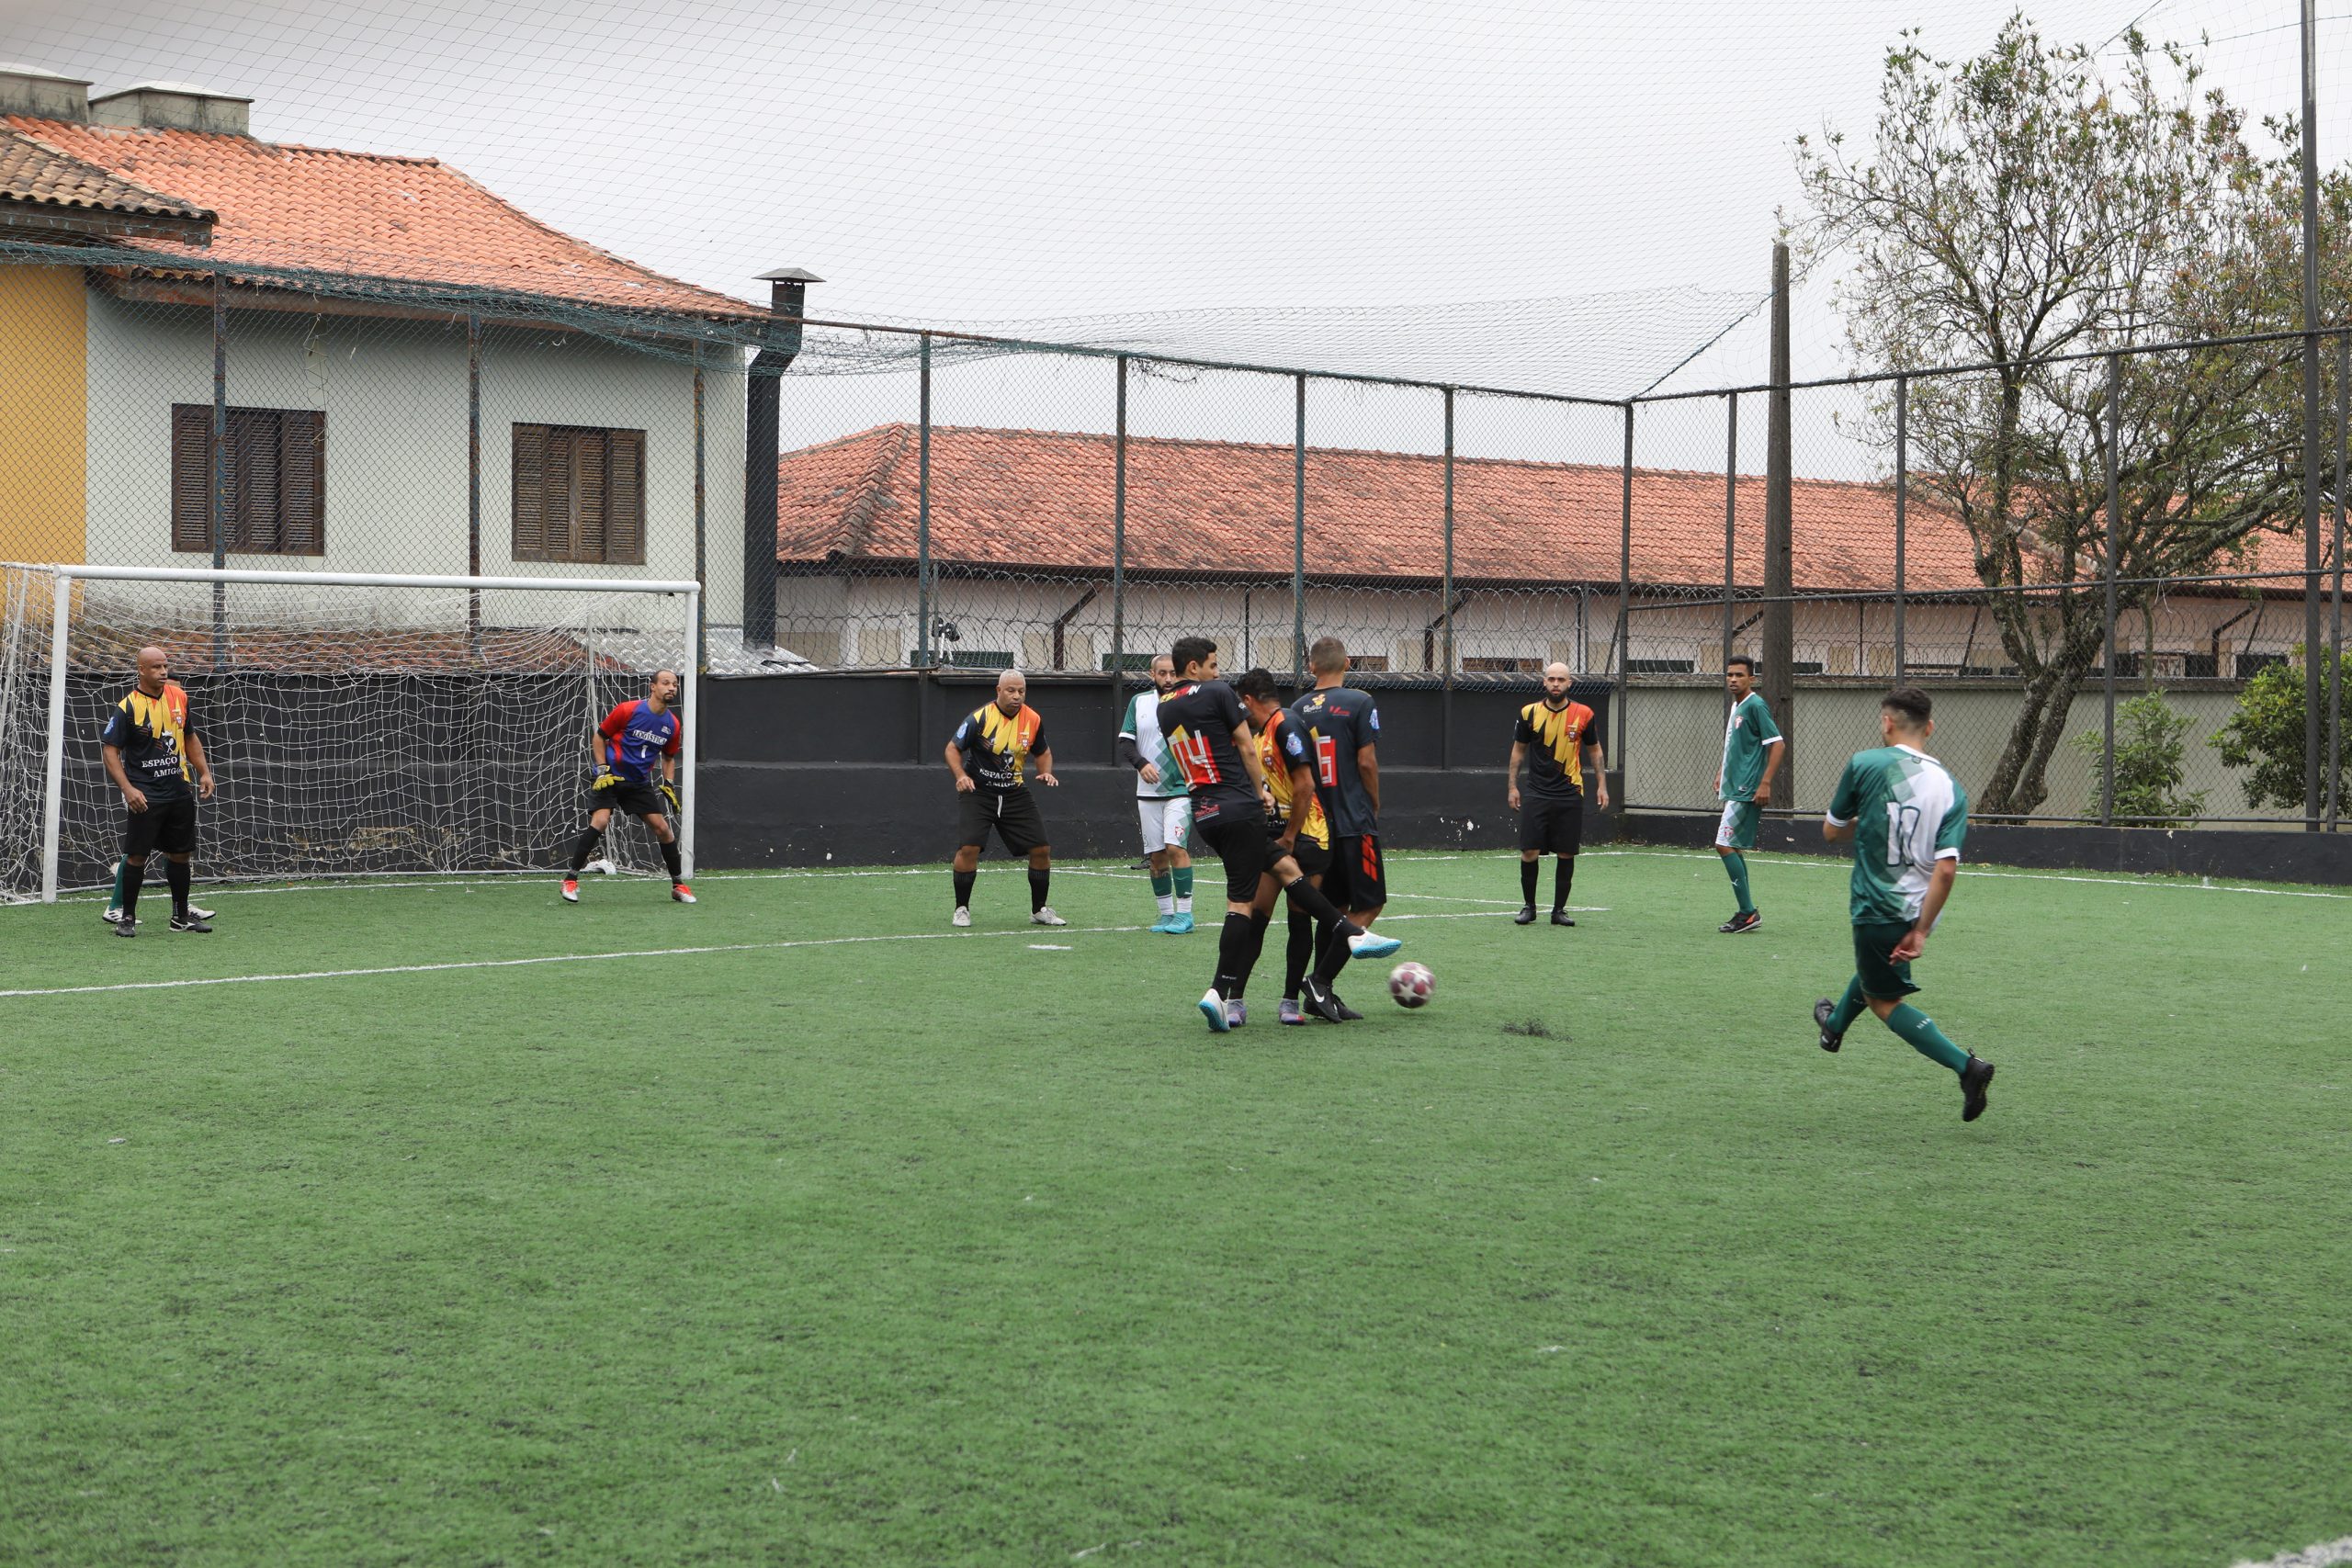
980, 1248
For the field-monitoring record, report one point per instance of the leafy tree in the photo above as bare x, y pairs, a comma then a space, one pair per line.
2019, 205
2151, 754
2267, 734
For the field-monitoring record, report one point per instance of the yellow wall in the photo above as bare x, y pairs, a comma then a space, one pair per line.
43, 425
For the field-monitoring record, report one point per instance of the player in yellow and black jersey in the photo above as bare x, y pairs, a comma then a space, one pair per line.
156, 759
991, 755
1559, 739
1289, 758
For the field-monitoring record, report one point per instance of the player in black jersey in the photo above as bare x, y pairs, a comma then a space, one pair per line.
1208, 731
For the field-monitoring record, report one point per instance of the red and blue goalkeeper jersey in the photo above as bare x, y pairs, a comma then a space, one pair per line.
636, 738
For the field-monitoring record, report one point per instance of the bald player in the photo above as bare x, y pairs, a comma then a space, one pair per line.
154, 755
1558, 738
989, 755
637, 749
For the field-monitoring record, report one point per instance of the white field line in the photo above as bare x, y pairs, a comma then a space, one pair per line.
2324, 1555
606, 957
1839, 863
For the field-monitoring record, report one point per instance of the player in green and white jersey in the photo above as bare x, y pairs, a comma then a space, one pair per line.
1752, 753
1164, 804
1907, 815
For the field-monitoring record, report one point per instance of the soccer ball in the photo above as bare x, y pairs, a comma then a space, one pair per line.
1411, 985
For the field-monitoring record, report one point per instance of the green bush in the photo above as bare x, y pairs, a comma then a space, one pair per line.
2150, 749
2267, 733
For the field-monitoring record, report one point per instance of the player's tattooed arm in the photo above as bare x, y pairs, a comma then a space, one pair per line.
1517, 755
1597, 766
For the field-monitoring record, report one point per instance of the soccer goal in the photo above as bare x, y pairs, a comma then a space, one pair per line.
356, 724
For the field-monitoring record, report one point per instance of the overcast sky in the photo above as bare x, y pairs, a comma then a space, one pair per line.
1027, 158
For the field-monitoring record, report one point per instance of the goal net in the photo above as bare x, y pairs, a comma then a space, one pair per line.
355, 726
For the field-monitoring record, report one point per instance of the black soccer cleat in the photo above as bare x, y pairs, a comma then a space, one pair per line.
1740, 924
1318, 999
1823, 1012
1526, 916
1974, 1079
189, 923
1562, 918
1347, 1013
126, 928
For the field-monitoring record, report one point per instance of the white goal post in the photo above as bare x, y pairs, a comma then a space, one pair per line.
360, 724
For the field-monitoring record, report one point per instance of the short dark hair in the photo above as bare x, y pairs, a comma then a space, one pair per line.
1744, 661
1327, 655
1910, 705
1191, 650
1258, 683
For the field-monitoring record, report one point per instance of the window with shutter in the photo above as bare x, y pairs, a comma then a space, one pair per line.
579, 494
530, 492
272, 483
624, 502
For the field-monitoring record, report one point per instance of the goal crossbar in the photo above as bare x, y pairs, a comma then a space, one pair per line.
67, 574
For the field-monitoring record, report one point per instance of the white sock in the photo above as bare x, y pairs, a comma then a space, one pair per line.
1167, 903
1183, 906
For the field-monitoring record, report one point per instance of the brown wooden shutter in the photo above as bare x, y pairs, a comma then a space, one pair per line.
530, 492
625, 498
192, 479
302, 482
591, 496
255, 475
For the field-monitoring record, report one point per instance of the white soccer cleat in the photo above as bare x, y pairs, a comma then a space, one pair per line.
1371, 944
571, 890
1212, 1009
1045, 917
962, 917
113, 916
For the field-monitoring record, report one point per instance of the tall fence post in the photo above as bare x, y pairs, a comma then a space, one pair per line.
2310, 128
1902, 518
473, 481
2114, 537
1119, 540
1731, 516
2335, 592
702, 514
922, 509
1298, 542
1624, 605
1445, 605
218, 520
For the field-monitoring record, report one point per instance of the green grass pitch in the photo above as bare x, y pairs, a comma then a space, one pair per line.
907, 1245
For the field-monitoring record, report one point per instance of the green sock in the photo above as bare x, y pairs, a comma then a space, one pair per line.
1163, 889
1920, 1033
1184, 889
1849, 1009
1738, 866
116, 901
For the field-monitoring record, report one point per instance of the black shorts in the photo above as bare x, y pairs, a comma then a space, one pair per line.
1551, 825
165, 825
1312, 859
635, 799
1358, 878
1012, 814
1881, 975
1239, 836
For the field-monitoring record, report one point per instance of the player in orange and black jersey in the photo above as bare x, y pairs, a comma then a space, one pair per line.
989, 755
153, 753
1288, 758
1208, 731
1559, 739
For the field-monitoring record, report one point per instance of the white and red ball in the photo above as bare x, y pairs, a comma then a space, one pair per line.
1411, 985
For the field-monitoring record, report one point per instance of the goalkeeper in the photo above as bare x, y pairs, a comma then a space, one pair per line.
635, 740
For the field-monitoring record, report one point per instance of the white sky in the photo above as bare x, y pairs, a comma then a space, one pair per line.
1028, 159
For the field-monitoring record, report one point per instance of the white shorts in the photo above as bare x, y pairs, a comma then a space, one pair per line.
1167, 824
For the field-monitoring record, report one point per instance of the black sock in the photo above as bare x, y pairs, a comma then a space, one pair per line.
133, 873
1259, 921
670, 859
583, 848
1236, 953
1527, 869
1038, 882
176, 874
1311, 898
964, 880
1335, 952
1564, 872
1301, 953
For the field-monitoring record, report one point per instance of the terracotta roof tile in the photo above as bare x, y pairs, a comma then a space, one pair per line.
31, 170
403, 219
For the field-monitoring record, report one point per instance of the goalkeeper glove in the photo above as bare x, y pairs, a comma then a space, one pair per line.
605, 778
670, 794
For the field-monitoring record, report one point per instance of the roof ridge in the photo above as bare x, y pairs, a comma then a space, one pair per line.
310, 148
858, 518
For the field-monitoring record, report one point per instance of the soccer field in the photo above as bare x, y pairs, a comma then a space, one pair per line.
793, 1226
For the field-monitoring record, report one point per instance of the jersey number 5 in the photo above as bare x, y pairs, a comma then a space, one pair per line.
1902, 822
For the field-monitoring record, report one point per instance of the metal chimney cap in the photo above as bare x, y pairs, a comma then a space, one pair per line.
790, 274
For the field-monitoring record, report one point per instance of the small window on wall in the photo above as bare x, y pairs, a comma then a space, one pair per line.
1487, 666
273, 481
579, 494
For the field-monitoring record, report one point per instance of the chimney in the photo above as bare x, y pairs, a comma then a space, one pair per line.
42, 95
174, 105
764, 419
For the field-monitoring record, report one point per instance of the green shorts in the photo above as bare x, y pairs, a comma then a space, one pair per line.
1881, 975
1737, 829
